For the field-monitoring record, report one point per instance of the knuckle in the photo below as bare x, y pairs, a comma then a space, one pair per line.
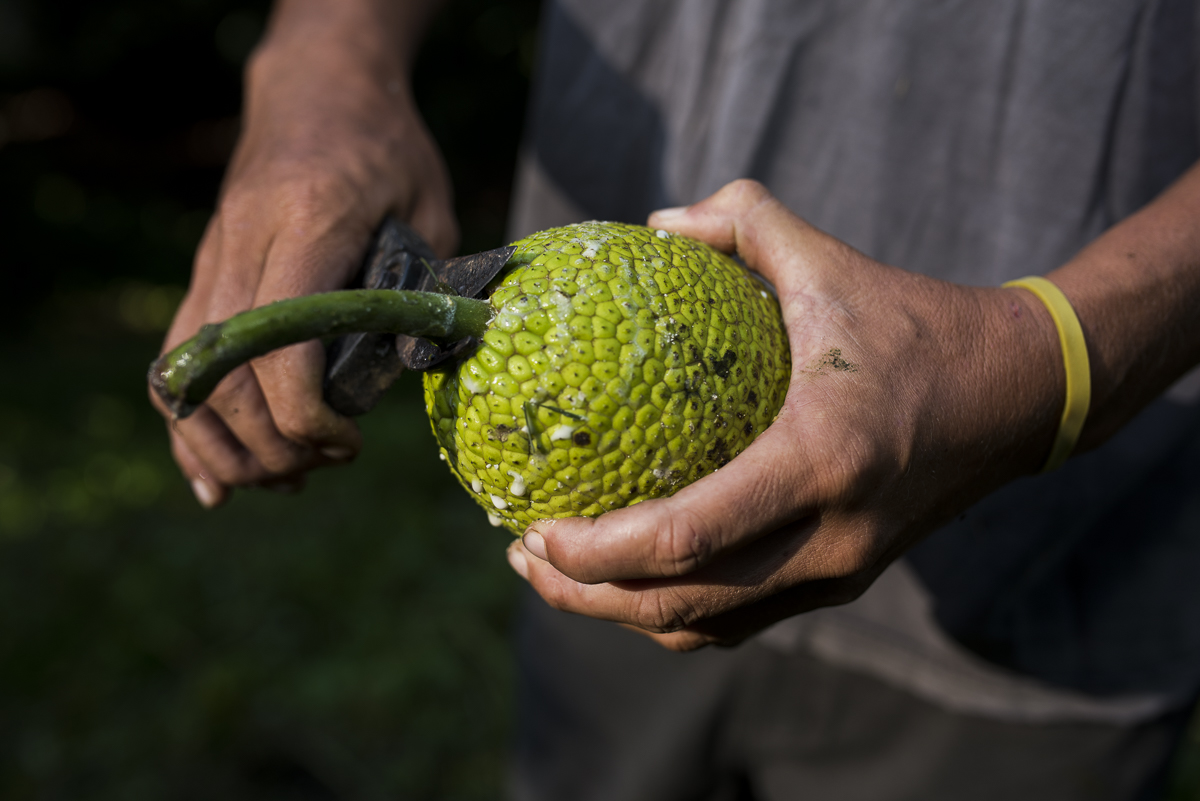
662, 611
310, 197
681, 547
747, 189
292, 191
233, 391
281, 460
301, 424
554, 594
235, 205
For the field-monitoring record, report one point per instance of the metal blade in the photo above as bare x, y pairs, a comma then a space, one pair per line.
466, 276
470, 275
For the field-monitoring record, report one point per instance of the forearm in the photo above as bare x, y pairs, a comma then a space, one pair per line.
384, 31
331, 143
347, 57
1136, 290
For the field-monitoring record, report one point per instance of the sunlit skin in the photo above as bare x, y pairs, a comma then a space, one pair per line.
957, 390
331, 142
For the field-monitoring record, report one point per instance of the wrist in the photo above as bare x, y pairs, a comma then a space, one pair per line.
1076, 370
311, 89
328, 57
376, 38
1029, 388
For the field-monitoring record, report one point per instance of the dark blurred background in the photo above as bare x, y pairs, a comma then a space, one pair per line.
349, 643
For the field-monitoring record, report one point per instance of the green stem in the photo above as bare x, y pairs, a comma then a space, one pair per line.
185, 377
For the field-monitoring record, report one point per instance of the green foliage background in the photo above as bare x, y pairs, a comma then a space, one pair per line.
348, 643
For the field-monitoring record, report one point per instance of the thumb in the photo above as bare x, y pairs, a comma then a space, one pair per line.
744, 217
765, 487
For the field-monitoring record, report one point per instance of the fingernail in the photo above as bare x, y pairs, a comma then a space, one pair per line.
339, 453
671, 213
516, 558
205, 494
535, 543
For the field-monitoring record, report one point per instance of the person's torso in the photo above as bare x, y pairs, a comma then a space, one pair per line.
972, 142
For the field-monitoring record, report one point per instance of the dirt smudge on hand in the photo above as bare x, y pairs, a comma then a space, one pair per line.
833, 360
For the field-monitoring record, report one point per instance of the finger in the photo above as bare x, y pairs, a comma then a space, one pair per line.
762, 569
229, 262
239, 402
744, 217
222, 457
679, 641
764, 488
206, 484
209, 492
280, 414
734, 627
220, 287
313, 252
292, 384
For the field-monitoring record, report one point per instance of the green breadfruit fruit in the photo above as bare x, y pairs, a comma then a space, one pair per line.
617, 364
622, 364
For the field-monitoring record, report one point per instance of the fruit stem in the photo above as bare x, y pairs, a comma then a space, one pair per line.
185, 376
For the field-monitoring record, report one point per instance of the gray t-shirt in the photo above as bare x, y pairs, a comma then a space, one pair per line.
974, 142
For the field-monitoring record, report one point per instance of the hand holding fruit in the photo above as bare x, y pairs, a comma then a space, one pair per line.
910, 398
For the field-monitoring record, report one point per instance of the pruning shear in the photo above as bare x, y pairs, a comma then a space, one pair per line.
360, 367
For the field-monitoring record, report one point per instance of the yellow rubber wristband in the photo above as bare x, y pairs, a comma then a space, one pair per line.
1075, 360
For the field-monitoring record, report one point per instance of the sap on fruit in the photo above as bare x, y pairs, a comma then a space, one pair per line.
622, 364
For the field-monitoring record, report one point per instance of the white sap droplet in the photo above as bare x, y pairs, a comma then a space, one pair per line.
518, 484
562, 305
509, 319
473, 386
590, 253
442, 456
499, 503
495, 520
563, 431
477, 485
661, 234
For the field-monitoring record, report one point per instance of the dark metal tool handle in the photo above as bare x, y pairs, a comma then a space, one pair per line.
360, 367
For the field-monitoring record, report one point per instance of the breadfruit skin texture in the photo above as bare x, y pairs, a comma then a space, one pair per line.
623, 363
